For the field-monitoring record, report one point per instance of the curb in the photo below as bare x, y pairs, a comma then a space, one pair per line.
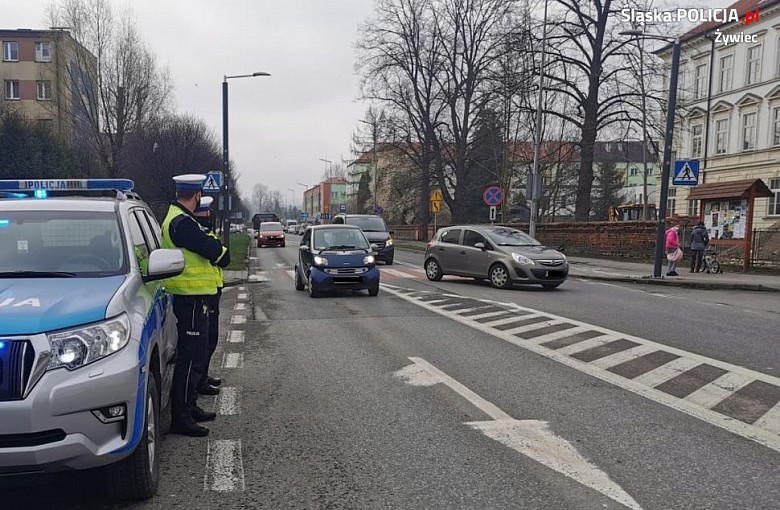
678, 283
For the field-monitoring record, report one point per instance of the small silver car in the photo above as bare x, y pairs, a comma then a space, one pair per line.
503, 255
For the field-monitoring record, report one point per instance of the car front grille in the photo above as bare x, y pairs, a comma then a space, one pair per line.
551, 262
16, 364
31, 439
380, 245
346, 270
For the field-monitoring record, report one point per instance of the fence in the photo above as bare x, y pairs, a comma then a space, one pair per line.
766, 248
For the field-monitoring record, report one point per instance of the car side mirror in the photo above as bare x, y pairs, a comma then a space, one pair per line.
374, 247
391, 232
304, 248
163, 263
481, 246
561, 248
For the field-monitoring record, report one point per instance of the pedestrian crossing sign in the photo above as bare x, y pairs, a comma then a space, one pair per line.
213, 182
686, 172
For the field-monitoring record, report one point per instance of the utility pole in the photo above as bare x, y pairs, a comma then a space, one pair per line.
535, 182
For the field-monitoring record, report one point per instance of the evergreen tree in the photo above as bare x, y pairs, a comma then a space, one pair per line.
31, 150
609, 183
364, 194
482, 168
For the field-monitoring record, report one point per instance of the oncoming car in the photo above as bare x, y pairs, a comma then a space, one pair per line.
270, 233
87, 332
502, 255
333, 257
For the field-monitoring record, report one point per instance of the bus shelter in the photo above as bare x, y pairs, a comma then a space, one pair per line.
726, 209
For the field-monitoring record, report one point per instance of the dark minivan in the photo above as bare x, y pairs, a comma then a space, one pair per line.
375, 229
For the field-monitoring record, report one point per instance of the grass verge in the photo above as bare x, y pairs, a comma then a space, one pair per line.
239, 247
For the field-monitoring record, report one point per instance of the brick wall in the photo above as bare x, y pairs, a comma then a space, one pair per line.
633, 240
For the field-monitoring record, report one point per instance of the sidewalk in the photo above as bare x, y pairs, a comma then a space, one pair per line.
641, 272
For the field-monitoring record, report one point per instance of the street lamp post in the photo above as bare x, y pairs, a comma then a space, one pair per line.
535, 187
330, 166
667, 162
303, 196
292, 190
227, 185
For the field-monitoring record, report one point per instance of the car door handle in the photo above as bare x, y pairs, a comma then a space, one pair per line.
463, 252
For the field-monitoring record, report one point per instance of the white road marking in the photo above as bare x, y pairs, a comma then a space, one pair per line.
531, 327
241, 289
291, 274
558, 335
666, 371
500, 322
240, 306
770, 420
621, 357
235, 337
486, 314
260, 276
233, 360
395, 272
260, 314
719, 389
238, 319
228, 402
531, 438
690, 405
587, 344
224, 466
243, 296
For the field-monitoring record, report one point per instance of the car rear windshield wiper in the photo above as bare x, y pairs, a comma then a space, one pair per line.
37, 274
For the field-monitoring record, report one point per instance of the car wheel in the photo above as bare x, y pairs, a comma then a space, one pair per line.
136, 477
551, 285
373, 291
282, 245
499, 276
298, 282
312, 291
433, 270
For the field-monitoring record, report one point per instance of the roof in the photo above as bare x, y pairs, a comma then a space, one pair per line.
730, 189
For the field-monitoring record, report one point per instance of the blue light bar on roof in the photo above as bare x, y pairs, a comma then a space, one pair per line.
67, 184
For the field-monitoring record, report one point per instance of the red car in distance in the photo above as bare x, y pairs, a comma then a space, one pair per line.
270, 233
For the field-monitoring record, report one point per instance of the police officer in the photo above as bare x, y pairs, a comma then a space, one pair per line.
210, 385
190, 290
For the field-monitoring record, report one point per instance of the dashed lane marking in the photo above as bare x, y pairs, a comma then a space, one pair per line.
233, 360
243, 296
238, 319
224, 466
734, 398
240, 306
228, 402
235, 337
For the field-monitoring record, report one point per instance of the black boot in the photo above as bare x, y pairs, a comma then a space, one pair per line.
208, 389
199, 414
188, 427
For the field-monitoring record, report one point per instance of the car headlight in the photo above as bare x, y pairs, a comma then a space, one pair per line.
78, 347
368, 260
522, 259
320, 261
389, 242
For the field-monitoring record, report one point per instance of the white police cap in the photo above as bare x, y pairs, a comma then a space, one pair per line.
205, 204
192, 182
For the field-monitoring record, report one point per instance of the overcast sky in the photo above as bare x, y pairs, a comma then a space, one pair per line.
279, 125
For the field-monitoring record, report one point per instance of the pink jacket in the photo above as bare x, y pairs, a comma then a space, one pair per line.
672, 239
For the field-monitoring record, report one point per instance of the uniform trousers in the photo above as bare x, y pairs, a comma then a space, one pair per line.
193, 330
213, 303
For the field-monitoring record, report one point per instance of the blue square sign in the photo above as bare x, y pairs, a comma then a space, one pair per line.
686, 172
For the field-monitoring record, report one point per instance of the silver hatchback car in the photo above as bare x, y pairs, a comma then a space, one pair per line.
503, 255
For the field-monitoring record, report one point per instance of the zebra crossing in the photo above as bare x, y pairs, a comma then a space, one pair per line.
737, 399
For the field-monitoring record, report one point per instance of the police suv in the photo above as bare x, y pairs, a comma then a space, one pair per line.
87, 332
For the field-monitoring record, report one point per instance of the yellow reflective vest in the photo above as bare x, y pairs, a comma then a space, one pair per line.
198, 278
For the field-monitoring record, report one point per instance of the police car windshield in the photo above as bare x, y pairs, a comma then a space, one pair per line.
45, 243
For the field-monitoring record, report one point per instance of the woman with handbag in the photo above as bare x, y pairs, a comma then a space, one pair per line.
673, 251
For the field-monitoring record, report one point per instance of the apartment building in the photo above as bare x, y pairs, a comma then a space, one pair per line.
729, 106
48, 77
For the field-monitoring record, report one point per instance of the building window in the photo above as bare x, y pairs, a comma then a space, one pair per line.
726, 67
44, 90
11, 51
700, 81
42, 51
634, 171
693, 208
753, 64
721, 136
774, 200
749, 131
12, 89
671, 200
776, 126
696, 140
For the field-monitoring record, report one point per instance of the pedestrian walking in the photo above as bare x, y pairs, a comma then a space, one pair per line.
210, 385
700, 239
190, 290
672, 247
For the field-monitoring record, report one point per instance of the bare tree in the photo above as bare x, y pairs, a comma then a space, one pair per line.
131, 88
591, 60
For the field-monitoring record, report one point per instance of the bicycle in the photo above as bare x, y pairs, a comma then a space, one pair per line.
711, 262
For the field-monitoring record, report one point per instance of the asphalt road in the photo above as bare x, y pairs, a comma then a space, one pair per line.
438, 395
